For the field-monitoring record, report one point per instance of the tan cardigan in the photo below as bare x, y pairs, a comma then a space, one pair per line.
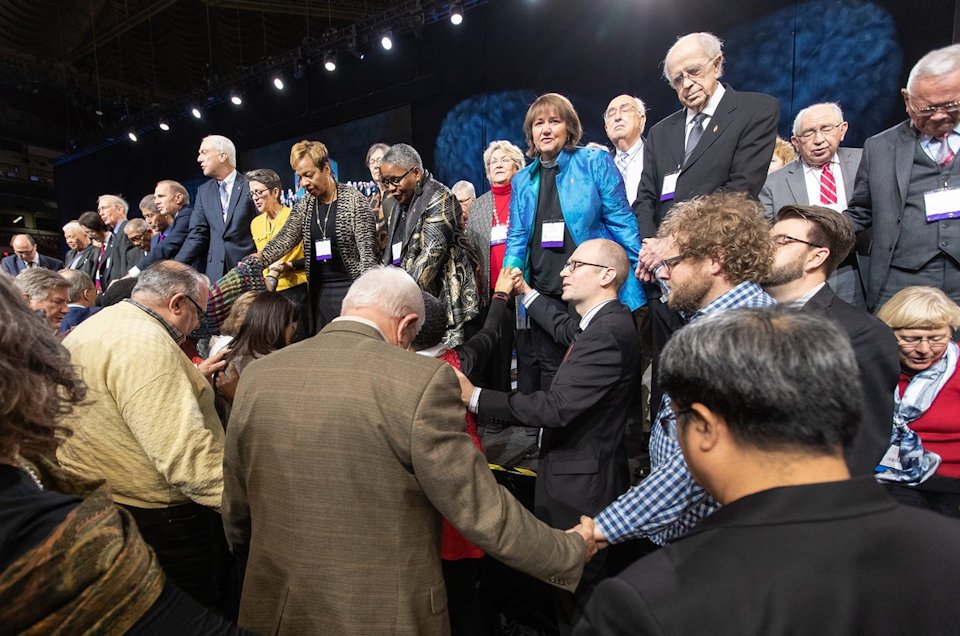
149, 426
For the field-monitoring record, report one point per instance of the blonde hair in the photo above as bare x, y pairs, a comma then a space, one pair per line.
785, 151
920, 308
313, 149
506, 148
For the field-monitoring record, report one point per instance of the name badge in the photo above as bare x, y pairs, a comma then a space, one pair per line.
323, 249
552, 234
669, 186
498, 235
891, 459
396, 252
942, 204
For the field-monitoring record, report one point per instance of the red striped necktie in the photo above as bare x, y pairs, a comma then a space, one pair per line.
828, 186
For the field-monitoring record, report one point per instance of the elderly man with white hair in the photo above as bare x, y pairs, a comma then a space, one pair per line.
624, 120
121, 254
220, 221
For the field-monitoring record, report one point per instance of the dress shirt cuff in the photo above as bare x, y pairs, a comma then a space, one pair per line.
607, 529
474, 400
134, 272
528, 298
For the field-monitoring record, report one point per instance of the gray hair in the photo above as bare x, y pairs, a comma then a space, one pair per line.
222, 144
117, 200
165, 279
390, 290
833, 105
375, 147
266, 176
465, 187
783, 379
73, 225
80, 282
404, 156
177, 187
641, 107
508, 149
935, 63
711, 45
136, 226
148, 202
37, 283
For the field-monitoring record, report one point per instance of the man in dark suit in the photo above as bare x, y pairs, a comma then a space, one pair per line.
809, 243
823, 174
798, 547
906, 188
81, 298
82, 254
120, 253
25, 256
170, 225
220, 221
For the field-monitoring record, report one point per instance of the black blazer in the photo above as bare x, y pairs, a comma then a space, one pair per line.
13, 264
217, 246
170, 246
733, 155
583, 463
121, 254
878, 357
834, 558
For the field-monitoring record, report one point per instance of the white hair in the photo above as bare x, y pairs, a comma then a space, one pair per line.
388, 290
73, 225
711, 45
465, 187
638, 104
935, 63
404, 156
117, 200
222, 144
508, 149
833, 105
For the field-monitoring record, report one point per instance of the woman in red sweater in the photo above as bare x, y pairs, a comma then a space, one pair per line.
926, 402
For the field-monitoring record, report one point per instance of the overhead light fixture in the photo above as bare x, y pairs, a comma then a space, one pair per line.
330, 61
17, 220
132, 136
386, 40
196, 112
456, 13
235, 98
164, 126
278, 82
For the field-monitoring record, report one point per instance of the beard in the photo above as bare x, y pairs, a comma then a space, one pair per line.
786, 273
689, 296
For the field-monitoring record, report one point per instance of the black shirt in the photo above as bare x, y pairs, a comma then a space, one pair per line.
546, 262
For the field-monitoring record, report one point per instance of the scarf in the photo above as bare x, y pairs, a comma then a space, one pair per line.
916, 465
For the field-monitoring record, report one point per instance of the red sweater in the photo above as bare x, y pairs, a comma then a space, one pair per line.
939, 426
501, 216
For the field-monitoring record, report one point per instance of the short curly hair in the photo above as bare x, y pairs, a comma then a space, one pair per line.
728, 227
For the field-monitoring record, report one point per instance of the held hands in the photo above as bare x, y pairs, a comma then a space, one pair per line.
511, 281
466, 387
651, 254
587, 531
213, 364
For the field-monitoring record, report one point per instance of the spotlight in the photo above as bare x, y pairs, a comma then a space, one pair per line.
456, 13
386, 40
196, 112
278, 82
132, 136
235, 98
330, 61
164, 126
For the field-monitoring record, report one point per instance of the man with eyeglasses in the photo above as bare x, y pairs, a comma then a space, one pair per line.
809, 243
170, 225
583, 413
908, 187
823, 175
624, 121
139, 234
150, 427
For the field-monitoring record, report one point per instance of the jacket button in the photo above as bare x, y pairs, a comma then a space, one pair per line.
898, 219
944, 243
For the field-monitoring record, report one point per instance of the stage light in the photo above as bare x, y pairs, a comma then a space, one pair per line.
456, 13
132, 136
278, 82
164, 126
236, 98
386, 40
196, 112
330, 61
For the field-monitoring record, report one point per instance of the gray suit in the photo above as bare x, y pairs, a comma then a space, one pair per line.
478, 233
788, 186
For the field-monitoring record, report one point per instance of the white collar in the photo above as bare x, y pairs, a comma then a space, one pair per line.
712, 104
834, 161
230, 178
587, 317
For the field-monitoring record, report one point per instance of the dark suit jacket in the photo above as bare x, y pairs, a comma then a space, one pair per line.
878, 358
375, 567
788, 185
76, 315
733, 155
837, 558
13, 264
121, 256
217, 245
171, 244
583, 464
87, 261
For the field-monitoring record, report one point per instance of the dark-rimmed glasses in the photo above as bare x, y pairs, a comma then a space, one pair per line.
572, 265
393, 182
782, 239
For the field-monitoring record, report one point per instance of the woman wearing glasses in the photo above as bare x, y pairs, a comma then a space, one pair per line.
334, 226
925, 446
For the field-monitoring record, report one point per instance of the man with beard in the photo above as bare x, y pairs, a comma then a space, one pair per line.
716, 249
809, 243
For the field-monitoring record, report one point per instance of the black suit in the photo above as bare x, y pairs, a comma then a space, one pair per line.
173, 240
878, 358
733, 155
834, 558
121, 254
85, 260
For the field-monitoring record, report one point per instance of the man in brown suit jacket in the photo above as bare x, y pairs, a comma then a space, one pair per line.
343, 451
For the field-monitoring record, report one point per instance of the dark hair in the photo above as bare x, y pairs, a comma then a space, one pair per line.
434, 323
92, 221
38, 382
265, 324
783, 379
266, 176
828, 228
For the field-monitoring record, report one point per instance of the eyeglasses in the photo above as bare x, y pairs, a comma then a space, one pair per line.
826, 131
201, 314
375, 162
138, 238
259, 194
393, 182
950, 108
669, 263
572, 265
693, 72
623, 110
782, 239
912, 342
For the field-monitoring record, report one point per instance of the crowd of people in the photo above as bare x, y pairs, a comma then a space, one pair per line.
247, 416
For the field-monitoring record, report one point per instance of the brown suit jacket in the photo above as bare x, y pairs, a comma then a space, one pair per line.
335, 481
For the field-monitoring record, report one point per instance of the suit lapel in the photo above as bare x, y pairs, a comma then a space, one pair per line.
797, 182
716, 125
675, 135
213, 196
848, 170
235, 196
903, 160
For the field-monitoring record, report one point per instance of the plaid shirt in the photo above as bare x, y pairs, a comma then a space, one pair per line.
669, 502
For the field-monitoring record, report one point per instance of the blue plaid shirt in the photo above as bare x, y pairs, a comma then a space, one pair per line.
669, 502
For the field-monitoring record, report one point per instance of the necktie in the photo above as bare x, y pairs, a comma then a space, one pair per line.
570, 348
695, 133
944, 155
224, 199
828, 186
622, 160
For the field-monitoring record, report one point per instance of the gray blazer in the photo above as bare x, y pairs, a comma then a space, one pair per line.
787, 186
478, 233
